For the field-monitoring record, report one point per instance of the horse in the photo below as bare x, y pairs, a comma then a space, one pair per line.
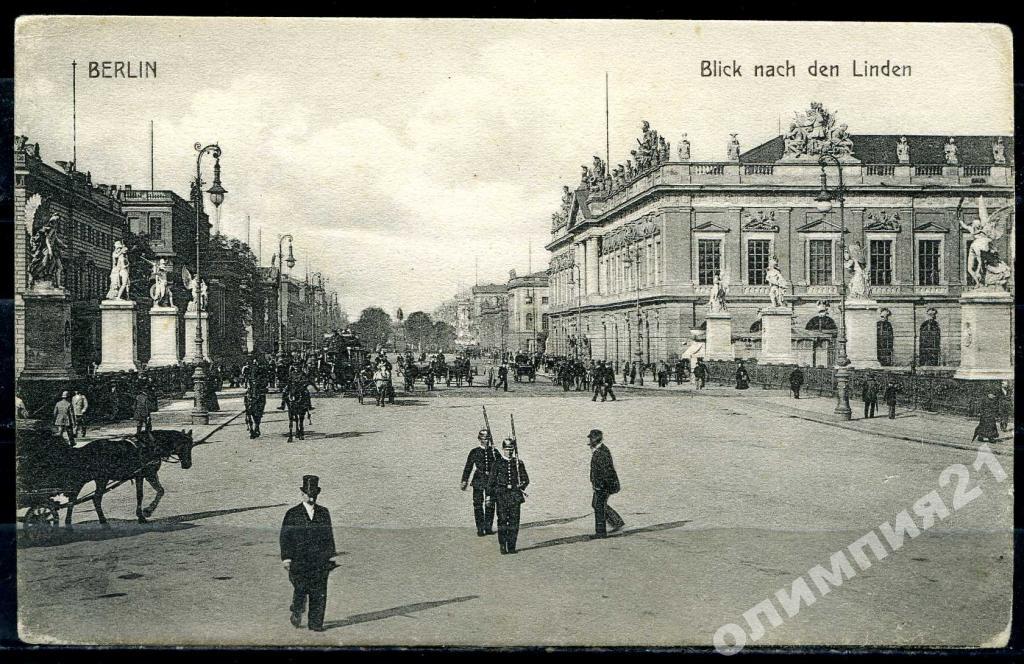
133, 458
297, 402
255, 401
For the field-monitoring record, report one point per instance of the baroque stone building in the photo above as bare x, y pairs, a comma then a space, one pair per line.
91, 220
647, 240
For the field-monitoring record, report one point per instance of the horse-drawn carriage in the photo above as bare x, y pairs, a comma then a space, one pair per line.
51, 474
525, 370
346, 354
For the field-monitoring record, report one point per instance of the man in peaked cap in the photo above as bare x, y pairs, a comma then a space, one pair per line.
308, 553
605, 481
481, 462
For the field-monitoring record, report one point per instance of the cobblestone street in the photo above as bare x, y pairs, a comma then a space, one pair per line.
727, 498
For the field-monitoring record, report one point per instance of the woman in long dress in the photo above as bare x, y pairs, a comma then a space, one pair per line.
742, 378
986, 430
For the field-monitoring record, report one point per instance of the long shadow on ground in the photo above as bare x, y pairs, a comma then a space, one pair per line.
92, 531
404, 610
576, 539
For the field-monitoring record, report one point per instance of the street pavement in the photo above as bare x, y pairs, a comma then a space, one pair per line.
727, 498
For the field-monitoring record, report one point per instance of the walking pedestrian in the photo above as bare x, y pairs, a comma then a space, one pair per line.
632, 374
700, 373
142, 414
481, 462
506, 490
64, 418
502, 377
308, 553
608, 382
80, 405
796, 381
988, 414
870, 396
891, 390
605, 482
742, 377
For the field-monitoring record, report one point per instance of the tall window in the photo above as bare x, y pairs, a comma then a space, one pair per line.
884, 340
156, 228
929, 262
930, 344
758, 252
881, 262
819, 262
709, 261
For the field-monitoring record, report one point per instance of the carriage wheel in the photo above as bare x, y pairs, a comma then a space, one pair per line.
41, 521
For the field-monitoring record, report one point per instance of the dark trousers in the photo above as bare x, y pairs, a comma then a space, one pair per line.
604, 515
502, 382
483, 511
869, 408
69, 430
796, 391
598, 392
508, 524
143, 424
892, 410
700, 382
311, 584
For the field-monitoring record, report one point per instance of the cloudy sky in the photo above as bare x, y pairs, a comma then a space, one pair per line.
402, 154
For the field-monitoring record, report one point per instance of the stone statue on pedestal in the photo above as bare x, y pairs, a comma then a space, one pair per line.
684, 149
734, 148
719, 293
159, 292
119, 276
983, 262
903, 150
950, 150
854, 261
45, 246
777, 283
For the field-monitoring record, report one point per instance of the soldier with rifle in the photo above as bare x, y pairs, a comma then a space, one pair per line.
481, 462
506, 488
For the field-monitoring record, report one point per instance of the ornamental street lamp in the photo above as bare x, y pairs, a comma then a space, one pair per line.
824, 202
200, 411
280, 282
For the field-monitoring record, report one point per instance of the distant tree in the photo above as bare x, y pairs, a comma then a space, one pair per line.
419, 329
373, 327
232, 263
444, 336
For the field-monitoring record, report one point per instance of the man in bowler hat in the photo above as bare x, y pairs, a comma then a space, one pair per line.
605, 481
480, 462
307, 552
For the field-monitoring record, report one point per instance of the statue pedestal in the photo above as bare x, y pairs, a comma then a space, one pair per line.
777, 336
163, 336
190, 335
47, 335
718, 337
862, 333
986, 335
118, 351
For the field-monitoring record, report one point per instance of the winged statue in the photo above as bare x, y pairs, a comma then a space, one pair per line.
45, 245
983, 262
193, 286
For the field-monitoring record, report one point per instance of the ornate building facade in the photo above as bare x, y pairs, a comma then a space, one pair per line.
645, 241
528, 302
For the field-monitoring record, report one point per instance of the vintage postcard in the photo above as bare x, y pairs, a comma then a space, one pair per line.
365, 332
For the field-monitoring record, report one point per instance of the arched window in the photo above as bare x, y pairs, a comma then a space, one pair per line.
930, 343
884, 340
756, 326
821, 323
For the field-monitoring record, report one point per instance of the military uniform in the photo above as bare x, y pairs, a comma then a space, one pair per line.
481, 462
506, 489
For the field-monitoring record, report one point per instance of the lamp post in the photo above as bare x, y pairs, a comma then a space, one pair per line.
200, 412
824, 204
280, 296
316, 284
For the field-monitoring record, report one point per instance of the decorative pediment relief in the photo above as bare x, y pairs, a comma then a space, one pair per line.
761, 222
883, 222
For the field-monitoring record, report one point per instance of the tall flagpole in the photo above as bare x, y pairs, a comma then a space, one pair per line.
607, 130
152, 149
74, 113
